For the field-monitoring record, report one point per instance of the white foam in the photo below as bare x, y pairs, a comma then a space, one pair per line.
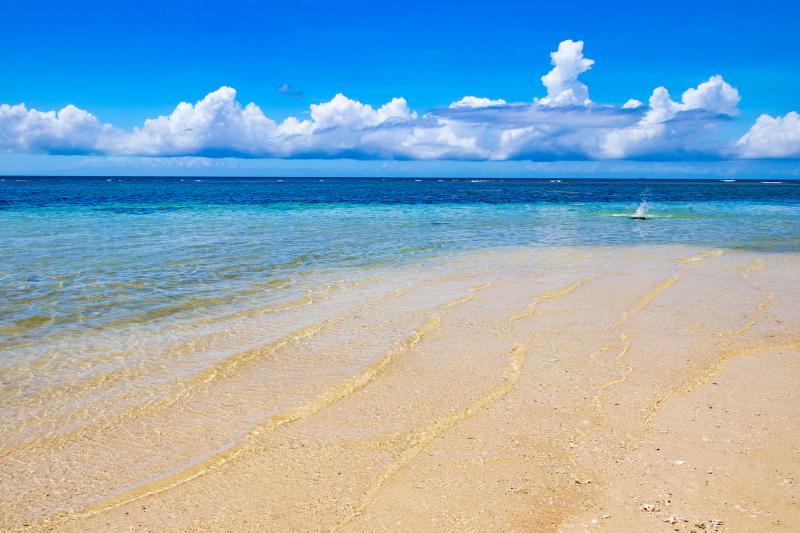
641, 211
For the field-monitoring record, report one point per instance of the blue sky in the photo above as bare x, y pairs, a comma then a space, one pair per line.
125, 62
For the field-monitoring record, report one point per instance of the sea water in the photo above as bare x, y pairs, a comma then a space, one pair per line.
82, 254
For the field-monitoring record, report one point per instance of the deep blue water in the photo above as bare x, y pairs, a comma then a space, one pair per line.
162, 193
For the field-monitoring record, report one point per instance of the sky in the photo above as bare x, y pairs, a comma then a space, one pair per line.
412, 88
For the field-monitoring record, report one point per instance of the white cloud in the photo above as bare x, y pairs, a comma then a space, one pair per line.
772, 137
440, 139
563, 87
713, 95
66, 131
624, 142
342, 111
217, 124
477, 102
563, 125
670, 126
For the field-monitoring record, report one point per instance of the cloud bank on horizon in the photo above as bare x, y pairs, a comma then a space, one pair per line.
563, 125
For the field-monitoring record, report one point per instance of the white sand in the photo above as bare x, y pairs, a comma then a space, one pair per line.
609, 389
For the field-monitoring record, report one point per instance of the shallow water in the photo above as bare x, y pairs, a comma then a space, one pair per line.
101, 252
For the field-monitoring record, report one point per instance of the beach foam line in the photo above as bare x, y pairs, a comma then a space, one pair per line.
241, 358
466, 298
312, 296
151, 315
420, 438
204, 377
302, 301
335, 393
72, 390
316, 404
646, 300
750, 269
620, 360
215, 371
713, 370
728, 354
530, 309
145, 316
701, 256
625, 369
761, 308
423, 436
394, 293
755, 318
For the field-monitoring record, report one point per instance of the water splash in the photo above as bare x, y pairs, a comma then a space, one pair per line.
641, 211
644, 207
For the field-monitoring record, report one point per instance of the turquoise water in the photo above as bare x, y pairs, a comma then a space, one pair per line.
97, 254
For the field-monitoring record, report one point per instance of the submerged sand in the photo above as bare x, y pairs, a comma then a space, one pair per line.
603, 389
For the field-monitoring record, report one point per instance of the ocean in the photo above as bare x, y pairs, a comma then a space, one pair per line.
82, 253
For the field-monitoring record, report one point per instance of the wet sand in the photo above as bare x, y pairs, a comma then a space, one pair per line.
649, 388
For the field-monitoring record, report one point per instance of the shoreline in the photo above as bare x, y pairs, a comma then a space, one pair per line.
605, 388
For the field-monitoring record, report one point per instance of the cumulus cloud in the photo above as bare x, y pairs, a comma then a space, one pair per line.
682, 129
772, 137
713, 95
217, 124
475, 102
564, 124
70, 130
342, 111
563, 87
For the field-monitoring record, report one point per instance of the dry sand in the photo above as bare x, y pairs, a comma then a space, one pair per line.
577, 389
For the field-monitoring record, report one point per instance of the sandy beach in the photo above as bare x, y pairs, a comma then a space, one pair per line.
649, 388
